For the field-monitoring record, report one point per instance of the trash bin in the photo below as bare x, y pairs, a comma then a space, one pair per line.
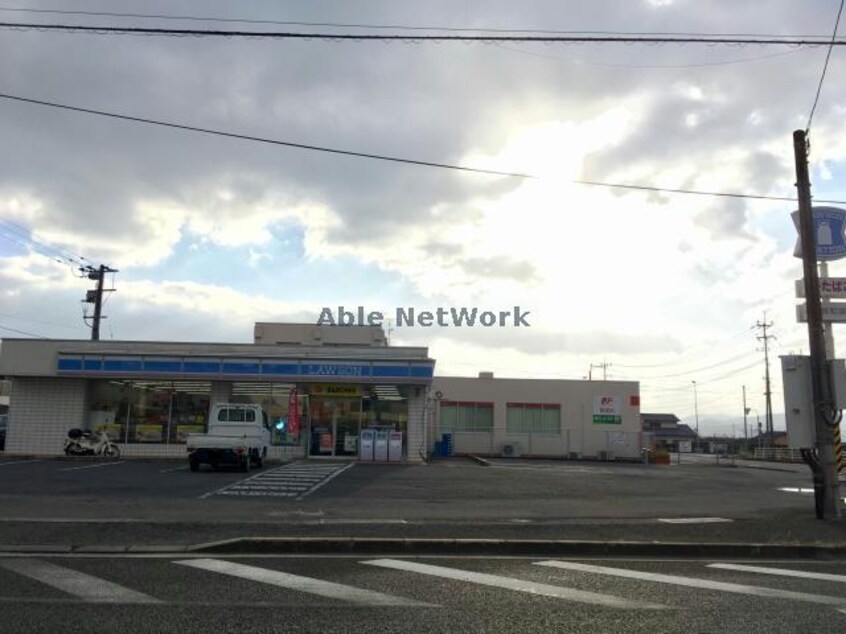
446, 445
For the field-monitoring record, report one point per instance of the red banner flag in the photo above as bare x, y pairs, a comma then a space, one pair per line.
293, 413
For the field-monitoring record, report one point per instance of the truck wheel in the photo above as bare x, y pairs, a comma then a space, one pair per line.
194, 464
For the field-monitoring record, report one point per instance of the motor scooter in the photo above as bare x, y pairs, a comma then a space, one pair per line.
83, 442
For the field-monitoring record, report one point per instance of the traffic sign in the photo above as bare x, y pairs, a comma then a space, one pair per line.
829, 233
834, 312
830, 288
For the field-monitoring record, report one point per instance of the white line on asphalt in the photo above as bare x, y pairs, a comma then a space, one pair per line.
320, 484
362, 521
693, 520
692, 582
92, 466
229, 486
781, 572
795, 490
79, 584
299, 583
519, 585
3, 464
174, 469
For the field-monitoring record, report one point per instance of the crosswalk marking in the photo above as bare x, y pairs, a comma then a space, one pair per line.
328, 589
79, 584
781, 572
295, 480
692, 582
509, 583
693, 520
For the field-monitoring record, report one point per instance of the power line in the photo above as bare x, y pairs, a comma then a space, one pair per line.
601, 38
35, 239
397, 27
397, 159
22, 332
825, 68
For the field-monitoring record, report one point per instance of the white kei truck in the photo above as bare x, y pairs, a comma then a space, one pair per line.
238, 435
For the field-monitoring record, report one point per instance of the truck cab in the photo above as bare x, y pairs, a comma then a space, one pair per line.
238, 435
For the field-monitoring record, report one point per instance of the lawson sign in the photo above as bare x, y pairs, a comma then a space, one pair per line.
829, 233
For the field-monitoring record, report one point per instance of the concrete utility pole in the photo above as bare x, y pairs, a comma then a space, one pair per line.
768, 414
696, 410
745, 428
821, 459
96, 296
604, 365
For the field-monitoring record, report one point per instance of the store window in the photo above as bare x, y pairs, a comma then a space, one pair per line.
533, 418
275, 399
149, 411
458, 416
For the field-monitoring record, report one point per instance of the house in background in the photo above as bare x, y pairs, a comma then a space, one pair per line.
665, 431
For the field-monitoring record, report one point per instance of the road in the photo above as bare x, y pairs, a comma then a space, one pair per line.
376, 594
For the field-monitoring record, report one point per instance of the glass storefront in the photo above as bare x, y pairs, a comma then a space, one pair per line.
327, 421
149, 411
337, 414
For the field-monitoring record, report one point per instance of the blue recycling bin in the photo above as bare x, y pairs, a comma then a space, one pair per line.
446, 445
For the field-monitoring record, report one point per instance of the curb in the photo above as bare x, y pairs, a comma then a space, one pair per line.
524, 548
481, 461
446, 547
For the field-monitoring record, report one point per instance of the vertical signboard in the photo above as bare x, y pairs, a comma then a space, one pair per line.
606, 410
293, 413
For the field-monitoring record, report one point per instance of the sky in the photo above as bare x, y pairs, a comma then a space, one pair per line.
211, 234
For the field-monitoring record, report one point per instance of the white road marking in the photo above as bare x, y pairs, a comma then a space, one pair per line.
289, 480
174, 469
321, 483
795, 490
328, 589
693, 520
692, 582
519, 585
3, 464
79, 584
781, 572
92, 466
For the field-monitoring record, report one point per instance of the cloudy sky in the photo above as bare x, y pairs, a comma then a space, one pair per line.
211, 234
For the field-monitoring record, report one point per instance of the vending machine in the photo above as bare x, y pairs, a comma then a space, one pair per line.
380, 447
366, 444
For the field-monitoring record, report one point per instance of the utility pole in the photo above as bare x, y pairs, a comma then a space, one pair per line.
696, 410
602, 365
821, 459
745, 428
768, 414
96, 296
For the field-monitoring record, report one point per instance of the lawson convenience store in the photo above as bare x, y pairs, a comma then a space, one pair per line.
149, 395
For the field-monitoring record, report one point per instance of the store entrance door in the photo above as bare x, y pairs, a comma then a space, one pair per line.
335, 424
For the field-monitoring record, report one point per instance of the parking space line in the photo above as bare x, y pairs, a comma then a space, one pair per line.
91, 466
183, 468
79, 584
693, 520
3, 464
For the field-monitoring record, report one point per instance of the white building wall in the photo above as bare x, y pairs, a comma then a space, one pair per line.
41, 411
579, 434
416, 443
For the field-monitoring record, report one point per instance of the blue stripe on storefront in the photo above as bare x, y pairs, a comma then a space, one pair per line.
280, 369
70, 364
241, 368
163, 366
290, 370
122, 365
